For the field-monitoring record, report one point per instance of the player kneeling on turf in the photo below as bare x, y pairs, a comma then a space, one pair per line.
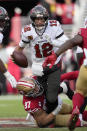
34, 103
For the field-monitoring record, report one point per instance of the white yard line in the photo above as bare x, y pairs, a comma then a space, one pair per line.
11, 97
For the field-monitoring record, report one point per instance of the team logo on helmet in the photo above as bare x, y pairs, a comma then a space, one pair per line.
30, 87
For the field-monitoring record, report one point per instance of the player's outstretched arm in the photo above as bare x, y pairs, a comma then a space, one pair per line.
43, 119
76, 41
46, 120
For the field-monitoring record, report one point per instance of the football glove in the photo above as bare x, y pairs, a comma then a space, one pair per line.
11, 79
50, 60
12, 58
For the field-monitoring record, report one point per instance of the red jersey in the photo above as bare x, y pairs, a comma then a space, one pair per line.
33, 104
74, 74
83, 33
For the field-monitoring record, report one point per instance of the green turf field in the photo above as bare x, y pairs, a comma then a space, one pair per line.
11, 107
43, 129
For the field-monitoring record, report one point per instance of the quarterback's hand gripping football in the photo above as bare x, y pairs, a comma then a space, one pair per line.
50, 60
11, 79
12, 58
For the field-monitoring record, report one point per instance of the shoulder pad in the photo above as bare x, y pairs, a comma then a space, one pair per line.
27, 28
53, 23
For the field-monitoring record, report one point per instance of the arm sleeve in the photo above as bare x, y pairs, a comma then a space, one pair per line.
70, 75
24, 39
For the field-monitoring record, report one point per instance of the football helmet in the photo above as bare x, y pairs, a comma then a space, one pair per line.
3, 18
39, 12
29, 87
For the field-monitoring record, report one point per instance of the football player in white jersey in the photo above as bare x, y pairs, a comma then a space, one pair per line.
3, 24
44, 37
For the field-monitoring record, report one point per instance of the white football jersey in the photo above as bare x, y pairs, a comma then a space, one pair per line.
43, 45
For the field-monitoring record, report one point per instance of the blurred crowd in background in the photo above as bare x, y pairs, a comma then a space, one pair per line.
18, 10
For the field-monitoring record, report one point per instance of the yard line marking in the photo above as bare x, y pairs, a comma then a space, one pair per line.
15, 122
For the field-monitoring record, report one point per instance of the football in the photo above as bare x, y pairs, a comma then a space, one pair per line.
20, 59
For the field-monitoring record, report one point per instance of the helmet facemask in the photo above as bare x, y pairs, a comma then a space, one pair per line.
40, 26
39, 13
29, 87
37, 90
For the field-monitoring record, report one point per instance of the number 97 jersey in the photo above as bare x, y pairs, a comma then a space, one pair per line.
33, 104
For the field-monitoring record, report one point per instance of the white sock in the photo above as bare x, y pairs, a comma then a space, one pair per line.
80, 117
64, 86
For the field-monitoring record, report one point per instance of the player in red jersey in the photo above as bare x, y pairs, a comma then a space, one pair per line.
34, 101
35, 104
81, 87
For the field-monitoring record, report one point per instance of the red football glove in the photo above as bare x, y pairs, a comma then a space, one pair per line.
50, 60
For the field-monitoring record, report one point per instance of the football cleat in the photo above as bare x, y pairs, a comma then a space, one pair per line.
73, 120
